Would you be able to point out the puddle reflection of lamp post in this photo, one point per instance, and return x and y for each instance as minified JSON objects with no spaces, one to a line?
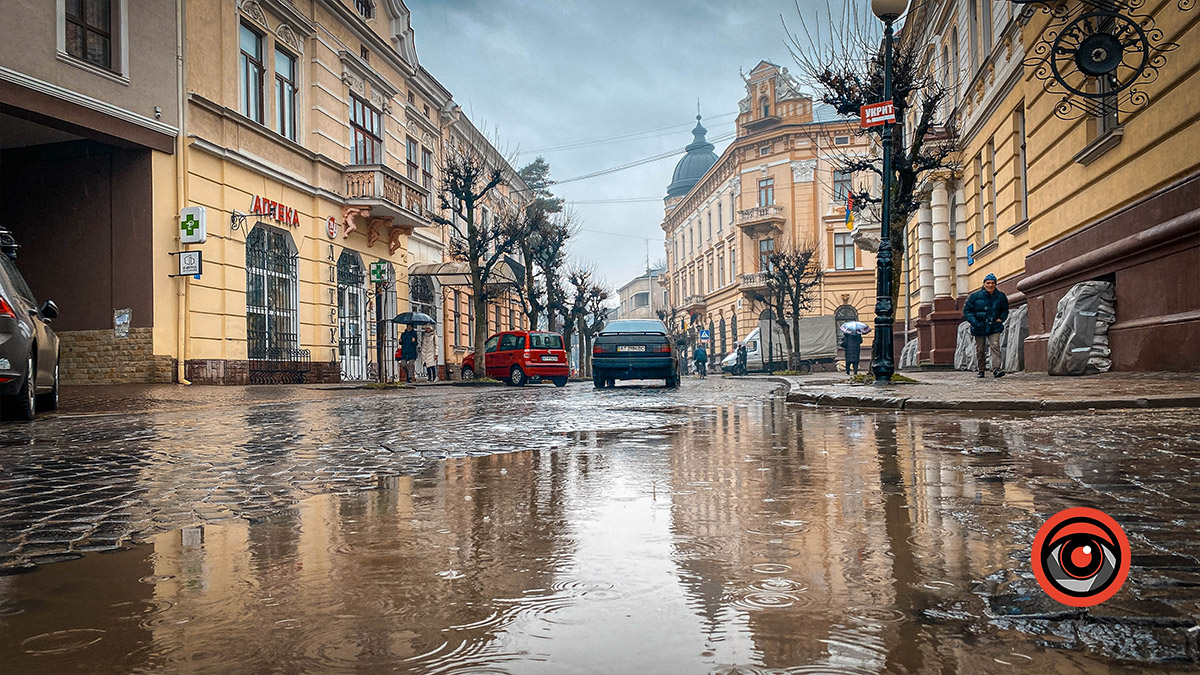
{"x":883,"y":364}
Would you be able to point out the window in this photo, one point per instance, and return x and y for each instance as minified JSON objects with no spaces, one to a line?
{"x":427,"y":175}
{"x":426,"y":112}
{"x":413,"y":154}
{"x":512,"y":319}
{"x":421,"y":295}
{"x":719,"y":217}
{"x":545,"y":341}
{"x":89,"y":31}
{"x":250,"y":84}
{"x":510,"y":342}
{"x":352,"y":318}
{"x":954,"y":62}
{"x":496,"y":317}
{"x":457,"y":319}
{"x":732,"y":265}
{"x":985,"y":26}
{"x":974,"y":32}
{"x":367,"y":126}
{"x":991,"y":149}
{"x":411,"y":99}
{"x":841,"y":140}
{"x":710,"y":225}
{"x":1022,"y":168}
{"x":285,"y":94}
{"x":366,"y":8}
{"x":766,"y":192}
{"x":843,"y":251}
{"x":641,"y":299}
{"x":721,"y":270}
{"x":841,"y":185}
{"x":490,"y":345}
{"x":733,"y":327}
{"x":764,"y":151}
{"x":272,"y":327}
{"x":765,"y":248}
{"x":841,"y":315}
{"x":764,"y":105}
{"x":710,"y":275}
{"x":722,"y":330}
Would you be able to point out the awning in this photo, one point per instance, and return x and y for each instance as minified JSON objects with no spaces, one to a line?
{"x":459,"y":273}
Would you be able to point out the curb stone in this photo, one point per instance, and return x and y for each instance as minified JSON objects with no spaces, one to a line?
{"x":902,"y":403}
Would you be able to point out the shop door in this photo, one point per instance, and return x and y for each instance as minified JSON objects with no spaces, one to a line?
{"x":352,"y":308}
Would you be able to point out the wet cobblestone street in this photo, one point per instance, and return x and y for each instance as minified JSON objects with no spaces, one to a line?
{"x":541,"y":530}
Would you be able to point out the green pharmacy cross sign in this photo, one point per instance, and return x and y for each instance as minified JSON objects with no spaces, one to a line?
{"x":378,"y":272}
{"x":193,"y":225}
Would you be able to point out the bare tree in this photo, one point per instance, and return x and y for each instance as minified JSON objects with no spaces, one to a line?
{"x":844,"y":64}
{"x":793,"y":279}
{"x":541,"y":239}
{"x":468,"y":178}
{"x":591,"y":321}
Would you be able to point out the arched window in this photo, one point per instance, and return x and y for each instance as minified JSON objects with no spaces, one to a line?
{"x":272,"y":308}
{"x":724,"y":348}
{"x":733,"y":327}
{"x":421,"y":296}
{"x":352,"y":316}
{"x":840,"y":316}
{"x":765,"y":106}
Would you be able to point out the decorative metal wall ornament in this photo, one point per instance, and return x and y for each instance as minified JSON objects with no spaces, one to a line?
{"x":1098,"y":55}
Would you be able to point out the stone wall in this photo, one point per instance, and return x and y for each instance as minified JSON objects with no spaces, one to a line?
{"x":237,"y":372}
{"x":99,"y":357}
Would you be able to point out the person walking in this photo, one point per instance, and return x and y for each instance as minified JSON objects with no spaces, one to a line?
{"x":429,"y":354}
{"x":409,"y":347}
{"x":742,"y":357}
{"x":853,"y":347}
{"x":987,"y":310}
{"x":700,"y":356}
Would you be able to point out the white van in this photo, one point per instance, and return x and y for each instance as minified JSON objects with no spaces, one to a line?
{"x":818,"y":344}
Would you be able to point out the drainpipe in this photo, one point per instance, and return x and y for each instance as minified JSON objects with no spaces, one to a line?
{"x":182,"y":308}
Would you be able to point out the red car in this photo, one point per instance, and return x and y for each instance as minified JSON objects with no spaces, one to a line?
{"x":519,"y":356}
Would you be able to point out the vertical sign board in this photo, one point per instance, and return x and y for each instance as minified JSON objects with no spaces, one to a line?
{"x":193,"y":225}
{"x":970,"y":254}
{"x":874,"y":114}
{"x":378,"y":272}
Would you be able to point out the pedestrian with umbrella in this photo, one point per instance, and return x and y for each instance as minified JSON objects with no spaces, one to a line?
{"x":854,"y":331}
{"x":410,"y":343}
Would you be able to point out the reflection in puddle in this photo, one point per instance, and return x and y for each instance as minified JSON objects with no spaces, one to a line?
{"x":752,"y":539}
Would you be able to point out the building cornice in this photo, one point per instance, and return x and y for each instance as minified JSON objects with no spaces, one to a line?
{"x":77,"y":98}
{"x":363,"y":32}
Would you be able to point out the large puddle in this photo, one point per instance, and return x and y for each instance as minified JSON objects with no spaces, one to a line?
{"x":751,"y":539}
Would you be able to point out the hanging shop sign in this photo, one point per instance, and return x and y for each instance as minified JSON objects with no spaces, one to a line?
{"x":331,"y":227}
{"x":191,"y":264}
{"x":875,"y":114}
{"x":193,"y":225}
{"x":280,"y":213}
{"x":378,"y":272}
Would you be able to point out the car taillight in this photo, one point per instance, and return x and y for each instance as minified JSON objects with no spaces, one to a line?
{"x":664,"y":349}
{"x":6,"y":309}
{"x":597,"y":349}
{"x":526,"y":353}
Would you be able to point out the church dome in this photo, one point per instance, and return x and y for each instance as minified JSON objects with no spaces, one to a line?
{"x":698,"y":160}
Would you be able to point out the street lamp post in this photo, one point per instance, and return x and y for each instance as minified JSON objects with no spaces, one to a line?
{"x":883,"y":363}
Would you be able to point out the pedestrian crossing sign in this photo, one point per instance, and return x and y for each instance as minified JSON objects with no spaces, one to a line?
{"x":378,"y":272}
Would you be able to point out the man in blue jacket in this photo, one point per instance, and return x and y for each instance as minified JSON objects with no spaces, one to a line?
{"x":986,"y":310}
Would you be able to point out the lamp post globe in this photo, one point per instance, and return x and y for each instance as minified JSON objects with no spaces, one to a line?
{"x":889,"y":10}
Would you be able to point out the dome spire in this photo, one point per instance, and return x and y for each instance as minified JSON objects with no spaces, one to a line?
{"x":698,"y":160}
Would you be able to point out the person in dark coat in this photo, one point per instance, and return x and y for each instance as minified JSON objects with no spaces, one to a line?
{"x":410,"y":346}
{"x":741,"y":358}
{"x":700,"y":356}
{"x":853,"y":346}
{"x":987,"y":310}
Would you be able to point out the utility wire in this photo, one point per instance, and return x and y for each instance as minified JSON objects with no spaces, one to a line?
{"x":649,"y":133}
{"x":647,"y":160}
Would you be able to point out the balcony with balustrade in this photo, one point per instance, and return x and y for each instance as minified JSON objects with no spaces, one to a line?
{"x":761,"y":220}
{"x":387,"y":195}
{"x":752,"y":284}
{"x":694,"y":304}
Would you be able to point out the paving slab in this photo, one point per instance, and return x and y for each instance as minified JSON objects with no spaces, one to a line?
{"x":952,"y":390}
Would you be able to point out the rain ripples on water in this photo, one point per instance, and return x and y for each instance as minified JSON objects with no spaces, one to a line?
{"x":573,"y":531}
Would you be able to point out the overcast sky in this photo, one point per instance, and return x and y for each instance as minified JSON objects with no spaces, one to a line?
{"x":537,"y":75}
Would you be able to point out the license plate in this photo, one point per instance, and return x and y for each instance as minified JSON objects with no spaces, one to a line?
{"x":549,"y":357}
{"x":631,"y":348}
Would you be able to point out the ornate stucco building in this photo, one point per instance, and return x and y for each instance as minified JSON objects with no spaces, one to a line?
{"x":305,"y":135}
{"x":1050,"y":193}
{"x":777,"y":184}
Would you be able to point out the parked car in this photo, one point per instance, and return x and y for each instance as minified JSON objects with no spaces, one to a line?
{"x":517,"y":357}
{"x":28,"y":348}
{"x":634,"y":349}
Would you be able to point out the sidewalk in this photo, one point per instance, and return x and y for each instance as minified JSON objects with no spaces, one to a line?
{"x":954,"y":390}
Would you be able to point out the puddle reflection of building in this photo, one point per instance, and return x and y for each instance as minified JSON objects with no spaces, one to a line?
{"x":370,"y":578}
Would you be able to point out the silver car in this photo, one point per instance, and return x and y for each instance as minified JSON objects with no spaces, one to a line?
{"x":28,"y":348}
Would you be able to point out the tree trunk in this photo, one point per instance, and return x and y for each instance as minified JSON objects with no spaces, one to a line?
{"x":479,"y":306}
{"x":585,"y":353}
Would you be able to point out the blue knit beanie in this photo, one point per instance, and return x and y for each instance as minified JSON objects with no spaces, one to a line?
{"x":990,"y":277}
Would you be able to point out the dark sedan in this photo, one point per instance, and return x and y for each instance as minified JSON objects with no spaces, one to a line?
{"x":634,"y":349}
{"x":28,"y":348}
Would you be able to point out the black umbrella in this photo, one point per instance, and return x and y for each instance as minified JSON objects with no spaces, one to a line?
{"x":414,"y":319}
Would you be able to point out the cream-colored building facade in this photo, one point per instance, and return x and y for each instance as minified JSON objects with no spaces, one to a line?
{"x":778,"y":183}
{"x":1048,"y":194}
{"x":314,"y":140}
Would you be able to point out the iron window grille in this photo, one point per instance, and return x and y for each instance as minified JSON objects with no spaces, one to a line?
{"x":272,"y":325}
{"x":352,"y":312}
{"x":89,"y":31}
